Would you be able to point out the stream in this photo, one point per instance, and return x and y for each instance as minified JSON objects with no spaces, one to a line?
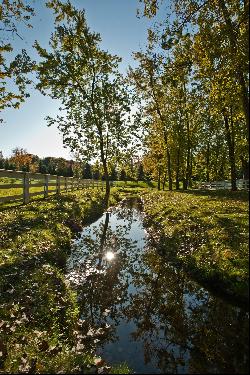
{"x":137,"y":308}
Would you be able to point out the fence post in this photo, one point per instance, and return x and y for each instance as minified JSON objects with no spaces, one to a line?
{"x":46,"y":185}
{"x":26,"y":194}
{"x":58,"y":186}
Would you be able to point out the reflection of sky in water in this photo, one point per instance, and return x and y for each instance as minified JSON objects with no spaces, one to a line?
{"x":126,"y":247}
{"x":127,"y":350}
{"x":109,"y":255}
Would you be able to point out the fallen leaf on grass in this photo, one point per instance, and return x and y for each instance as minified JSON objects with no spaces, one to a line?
{"x":43,"y":346}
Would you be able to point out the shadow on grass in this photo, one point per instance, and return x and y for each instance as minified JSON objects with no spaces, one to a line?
{"x":13,"y":274}
{"x":214,"y":281}
{"x":184,"y":244}
{"x":46,"y":215}
{"x":241,"y":195}
{"x":236,"y":231}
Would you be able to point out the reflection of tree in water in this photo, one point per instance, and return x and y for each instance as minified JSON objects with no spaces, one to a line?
{"x":102,"y":284}
{"x":181,"y":326}
{"x":179,"y":322}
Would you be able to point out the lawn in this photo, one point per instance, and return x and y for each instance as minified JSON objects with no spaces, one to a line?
{"x":206,"y":232}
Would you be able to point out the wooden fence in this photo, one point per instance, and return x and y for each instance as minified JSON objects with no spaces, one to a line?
{"x":29,"y":180}
{"x":216,"y":185}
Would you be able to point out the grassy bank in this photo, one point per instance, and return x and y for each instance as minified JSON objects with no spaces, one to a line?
{"x":206,"y":233}
{"x":39,"y":319}
{"x":30,"y":232}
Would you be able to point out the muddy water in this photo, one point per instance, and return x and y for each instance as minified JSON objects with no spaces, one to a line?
{"x":137,"y":308}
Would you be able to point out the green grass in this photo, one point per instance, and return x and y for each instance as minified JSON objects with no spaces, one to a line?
{"x":19,"y":191}
{"x":133,"y":184}
{"x":123,"y":189}
{"x":29,"y":230}
{"x":205,"y":232}
{"x":39,"y":316}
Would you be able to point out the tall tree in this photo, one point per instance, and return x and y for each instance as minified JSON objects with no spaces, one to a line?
{"x":147,"y":79}
{"x":94,"y":116}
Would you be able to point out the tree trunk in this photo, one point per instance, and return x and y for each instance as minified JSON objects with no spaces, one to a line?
{"x":159,"y":179}
{"x":107,"y":185}
{"x":185,"y":184}
{"x":207,"y":161}
{"x":106,"y":175}
{"x":231,"y":151}
{"x":245,"y":168}
{"x":164,"y":181}
{"x":170,"y":180}
{"x":245,"y":101}
{"x":239,"y":71}
{"x":217,"y":163}
{"x":187,"y":177}
{"x":190,"y":182}
{"x":178,"y":170}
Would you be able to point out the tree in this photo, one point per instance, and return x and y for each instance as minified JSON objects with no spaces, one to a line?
{"x":140,"y":172}
{"x":147,"y":80}
{"x":69,"y":168}
{"x":59,"y":166}
{"x":1,"y":160}
{"x":113,"y":174}
{"x":14,"y":74}
{"x":87,"y":173}
{"x":154,"y":158}
{"x":123,"y":175}
{"x":94,"y":117}
{"x":212,"y":38}
{"x":21,"y":159}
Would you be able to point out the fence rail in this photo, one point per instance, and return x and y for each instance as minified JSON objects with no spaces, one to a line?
{"x":216,"y":185}
{"x":31,"y":180}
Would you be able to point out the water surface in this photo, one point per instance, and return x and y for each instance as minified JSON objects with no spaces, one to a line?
{"x":136,"y":307}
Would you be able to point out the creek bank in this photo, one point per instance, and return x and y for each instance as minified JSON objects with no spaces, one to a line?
{"x":41,"y":227}
{"x":206,"y":234}
{"x":39,"y":319}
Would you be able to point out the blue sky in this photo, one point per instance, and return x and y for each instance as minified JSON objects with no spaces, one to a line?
{"x":122,"y":33}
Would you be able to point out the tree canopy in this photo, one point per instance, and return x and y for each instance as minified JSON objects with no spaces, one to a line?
{"x":95,"y":99}
{"x":193,"y":80}
{"x":14,"y":76}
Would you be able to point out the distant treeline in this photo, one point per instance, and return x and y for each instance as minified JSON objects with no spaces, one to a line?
{"x":21,"y":160}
